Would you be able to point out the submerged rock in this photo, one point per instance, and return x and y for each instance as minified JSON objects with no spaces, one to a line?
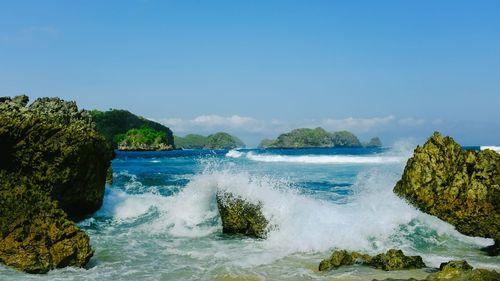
{"x":461,"y":270}
{"x":457,"y":271}
{"x":343,"y":257}
{"x":240,"y":216}
{"x":53,"y":167}
{"x":391,"y":260}
{"x":459,"y":187}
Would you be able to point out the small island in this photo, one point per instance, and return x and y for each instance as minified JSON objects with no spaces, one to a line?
{"x":127,"y":131}
{"x":318,"y":137}
{"x":220,"y":140}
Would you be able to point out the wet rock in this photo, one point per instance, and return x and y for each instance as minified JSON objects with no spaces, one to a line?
{"x":462,"y":271}
{"x":459,"y":187}
{"x":458,"y":271}
{"x":396,"y":260}
{"x":53,"y":168}
{"x":391,"y":260}
{"x":343,"y":257}
{"x":240,"y":216}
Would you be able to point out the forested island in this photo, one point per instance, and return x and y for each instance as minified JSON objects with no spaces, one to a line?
{"x":318,"y":137}
{"x":220,"y":140}
{"x":127,"y":131}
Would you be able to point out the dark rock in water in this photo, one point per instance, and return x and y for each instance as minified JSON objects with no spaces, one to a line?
{"x":396,"y":260}
{"x":392,"y":279}
{"x":343,"y":257}
{"x":109,"y":175}
{"x":458,"y":271}
{"x":53,"y":165}
{"x":240,"y":216}
{"x":459,"y":187}
{"x":391,"y":260}
{"x":461,"y":270}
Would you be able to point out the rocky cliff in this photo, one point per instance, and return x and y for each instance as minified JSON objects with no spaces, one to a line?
{"x":52,"y":170}
{"x":459,"y":187}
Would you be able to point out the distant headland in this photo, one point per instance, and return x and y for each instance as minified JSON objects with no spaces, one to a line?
{"x":318,"y":137}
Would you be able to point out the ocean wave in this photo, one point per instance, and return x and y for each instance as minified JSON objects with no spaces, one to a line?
{"x":325,"y":159}
{"x":494,"y":148}
{"x":234,"y":153}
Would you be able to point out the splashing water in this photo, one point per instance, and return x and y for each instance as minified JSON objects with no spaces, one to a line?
{"x":160,"y":219}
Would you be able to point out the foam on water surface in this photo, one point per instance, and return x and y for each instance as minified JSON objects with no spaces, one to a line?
{"x":151,"y":230}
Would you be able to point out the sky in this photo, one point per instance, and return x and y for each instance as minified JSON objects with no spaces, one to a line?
{"x":393,"y":69}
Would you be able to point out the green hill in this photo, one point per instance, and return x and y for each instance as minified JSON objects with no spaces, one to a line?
{"x":219,"y":140}
{"x":318,"y":137}
{"x":113,"y":124}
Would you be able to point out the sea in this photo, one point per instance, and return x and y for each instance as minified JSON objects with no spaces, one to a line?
{"x":159,"y":219}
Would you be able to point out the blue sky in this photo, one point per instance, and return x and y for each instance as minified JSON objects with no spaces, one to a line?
{"x":394,"y":69}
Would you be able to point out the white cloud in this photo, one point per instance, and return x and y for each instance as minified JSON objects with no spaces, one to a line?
{"x":357,"y":124}
{"x":213,"y":122}
{"x":411,"y":122}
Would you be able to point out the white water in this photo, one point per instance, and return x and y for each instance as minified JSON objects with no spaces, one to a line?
{"x":494,"y":148}
{"x":370,"y":222}
{"x":323,"y":159}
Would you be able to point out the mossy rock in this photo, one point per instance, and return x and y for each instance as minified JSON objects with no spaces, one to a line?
{"x":459,"y":187}
{"x":343,"y":257}
{"x":462,"y":271}
{"x":240,"y":216}
{"x":457,"y":271}
{"x":391,"y":260}
{"x":53,"y":168}
{"x":396,"y":260}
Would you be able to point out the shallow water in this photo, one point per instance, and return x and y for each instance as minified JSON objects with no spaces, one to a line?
{"x":159,"y":220}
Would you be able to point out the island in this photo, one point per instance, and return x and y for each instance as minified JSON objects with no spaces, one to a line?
{"x":220,"y":140}
{"x":318,"y":137}
{"x":127,"y":131}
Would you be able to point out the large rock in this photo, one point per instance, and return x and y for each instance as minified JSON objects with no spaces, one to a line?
{"x":457,"y":271}
{"x":53,"y":168}
{"x":459,"y":187}
{"x":391,"y":260}
{"x":462,"y":271}
{"x":240,"y":216}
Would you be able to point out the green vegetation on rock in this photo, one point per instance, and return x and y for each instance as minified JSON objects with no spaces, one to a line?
{"x":458,"y":271}
{"x":53,"y":165}
{"x":115,"y":123}
{"x":223,"y":140}
{"x":219,"y":140}
{"x":374,"y":142}
{"x":318,"y":137}
{"x":343,"y":257}
{"x":459,"y":187}
{"x":396,"y":260}
{"x":240,"y":216}
{"x":143,"y":138}
{"x":191,"y":141}
{"x":391,"y":260}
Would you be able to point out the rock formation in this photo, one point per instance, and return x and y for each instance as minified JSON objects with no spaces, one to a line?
{"x":459,"y":187}
{"x":241,"y":217}
{"x":53,"y":169}
{"x":391,"y":260}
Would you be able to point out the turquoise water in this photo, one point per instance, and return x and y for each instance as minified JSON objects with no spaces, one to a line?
{"x":159,"y":220}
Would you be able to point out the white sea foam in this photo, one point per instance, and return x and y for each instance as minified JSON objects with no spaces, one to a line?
{"x":370,"y":222}
{"x":234,"y":153}
{"x":325,"y":159}
{"x":494,"y":148}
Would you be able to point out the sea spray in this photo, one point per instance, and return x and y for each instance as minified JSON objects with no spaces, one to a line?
{"x":151,"y":230}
